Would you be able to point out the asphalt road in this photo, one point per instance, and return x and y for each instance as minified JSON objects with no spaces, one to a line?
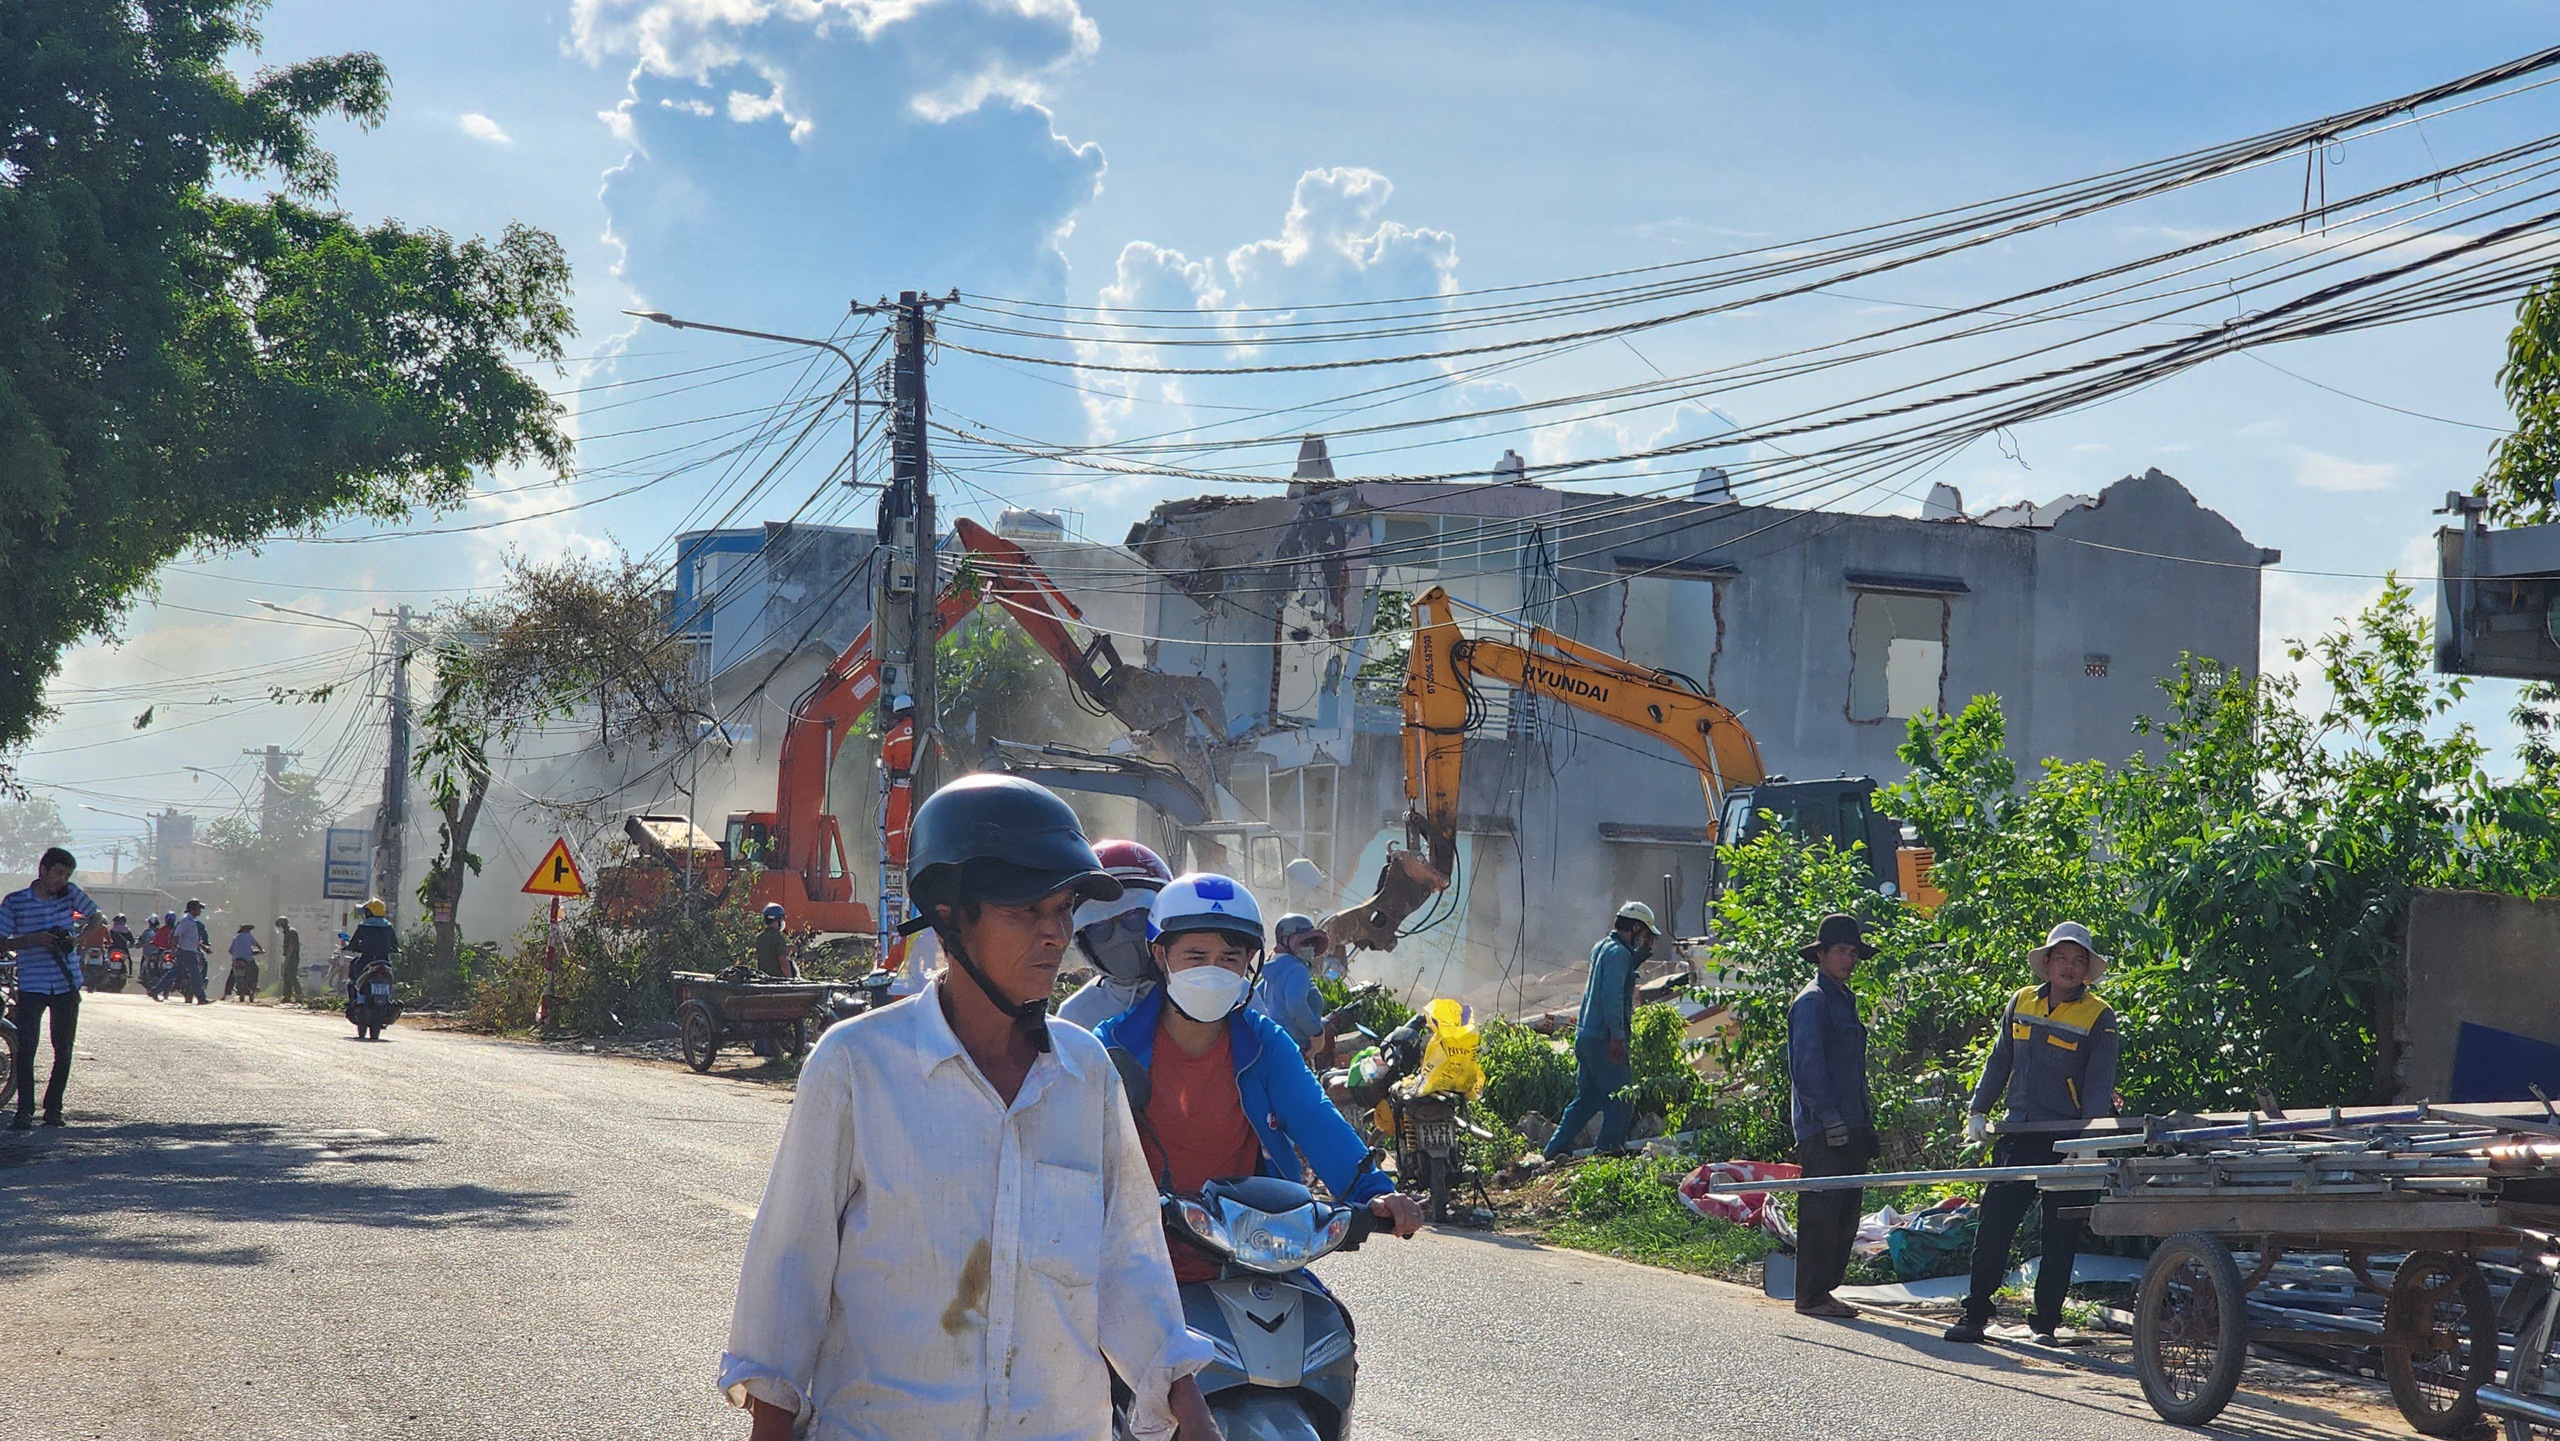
{"x":258,"y":1226}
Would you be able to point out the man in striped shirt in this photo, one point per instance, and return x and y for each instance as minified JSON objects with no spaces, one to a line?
{"x":37,"y":924}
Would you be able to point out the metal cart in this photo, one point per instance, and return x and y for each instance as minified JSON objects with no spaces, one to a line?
{"x":743,"y":1005}
{"x":2411,"y":1198}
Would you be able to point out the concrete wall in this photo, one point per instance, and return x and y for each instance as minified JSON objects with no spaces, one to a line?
{"x":2493,"y":960}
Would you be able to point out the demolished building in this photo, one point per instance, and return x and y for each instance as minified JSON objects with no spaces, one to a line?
{"x":1825,"y":631}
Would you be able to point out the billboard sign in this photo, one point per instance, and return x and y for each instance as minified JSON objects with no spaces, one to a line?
{"x":346,"y":867}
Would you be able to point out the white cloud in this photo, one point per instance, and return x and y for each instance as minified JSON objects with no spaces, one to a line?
{"x":1334,"y":245}
{"x":481,"y":127}
{"x":2316,"y":470}
{"x":700,"y":41}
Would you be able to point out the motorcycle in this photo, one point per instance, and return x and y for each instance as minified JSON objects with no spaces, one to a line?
{"x":860,"y":998}
{"x":107,"y":968}
{"x":8,"y":1031}
{"x":371,"y":1001}
{"x":1290,"y":1374}
{"x":1414,"y":1083}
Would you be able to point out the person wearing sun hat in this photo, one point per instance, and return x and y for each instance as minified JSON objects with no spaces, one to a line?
{"x":2055,"y":1057}
{"x":1834,"y":1125}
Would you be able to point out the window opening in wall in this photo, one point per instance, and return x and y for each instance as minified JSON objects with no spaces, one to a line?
{"x":1672,"y":624}
{"x":1897,"y":655}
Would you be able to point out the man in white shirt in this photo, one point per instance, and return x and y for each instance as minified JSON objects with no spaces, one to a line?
{"x":186,"y":967}
{"x":959,"y":1237}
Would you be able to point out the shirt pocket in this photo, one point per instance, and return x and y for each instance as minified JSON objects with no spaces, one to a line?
{"x":2020,"y":1030}
{"x":1062,"y":1239}
{"x":2061,"y":1041}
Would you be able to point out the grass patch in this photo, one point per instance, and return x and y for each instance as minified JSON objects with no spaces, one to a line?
{"x":1630,"y":1207}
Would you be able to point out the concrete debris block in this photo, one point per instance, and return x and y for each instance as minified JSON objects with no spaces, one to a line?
{"x":1536,"y":1129}
{"x":1945,"y":502}
{"x":1646,"y":1128}
{"x":1315,"y":462}
{"x":1511,"y":469}
{"x":1712,"y":487}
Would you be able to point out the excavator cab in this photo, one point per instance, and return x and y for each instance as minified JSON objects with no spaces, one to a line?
{"x":1842,"y":811}
{"x":749,"y":838}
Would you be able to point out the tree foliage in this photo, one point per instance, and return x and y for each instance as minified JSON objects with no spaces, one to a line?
{"x":2252,"y":884}
{"x":563,"y":639}
{"x":2524,"y":465}
{"x":27,"y":827}
{"x":181,"y":367}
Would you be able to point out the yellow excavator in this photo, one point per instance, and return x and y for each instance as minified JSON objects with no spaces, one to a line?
{"x":1442,"y":705}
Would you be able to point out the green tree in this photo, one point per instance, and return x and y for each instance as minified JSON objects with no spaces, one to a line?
{"x":27,"y":827}
{"x":184,"y":367}
{"x":562,"y":639}
{"x":2252,"y":883}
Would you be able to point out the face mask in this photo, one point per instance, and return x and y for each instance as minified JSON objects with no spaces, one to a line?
{"x":1118,"y":948}
{"x":1207,"y":993}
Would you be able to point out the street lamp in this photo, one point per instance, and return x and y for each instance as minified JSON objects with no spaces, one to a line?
{"x":314,"y":615}
{"x":853,"y":368}
{"x":200,"y":773}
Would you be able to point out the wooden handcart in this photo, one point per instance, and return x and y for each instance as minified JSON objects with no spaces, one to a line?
{"x":742,"y":1006}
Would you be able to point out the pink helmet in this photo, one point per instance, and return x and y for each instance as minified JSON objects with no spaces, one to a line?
{"x":1141,"y":873}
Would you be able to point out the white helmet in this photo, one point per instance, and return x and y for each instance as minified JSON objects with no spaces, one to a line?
{"x":1201,"y":901}
{"x":1639,"y":911}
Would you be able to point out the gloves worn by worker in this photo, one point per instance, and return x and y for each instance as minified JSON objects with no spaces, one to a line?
{"x":1837,"y":1136}
{"x":1977,"y":1128}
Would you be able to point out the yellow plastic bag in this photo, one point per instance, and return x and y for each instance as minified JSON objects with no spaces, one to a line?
{"x":1449,"y":1061}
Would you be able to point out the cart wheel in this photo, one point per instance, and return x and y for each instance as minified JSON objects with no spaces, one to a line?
{"x":2439,"y":1342}
{"x":701,"y":1036}
{"x":794,"y":1037}
{"x":2190,"y":1329}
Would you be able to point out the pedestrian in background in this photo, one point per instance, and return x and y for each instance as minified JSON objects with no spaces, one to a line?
{"x":289,"y":960}
{"x":187,"y":946}
{"x":1834,"y":1126}
{"x":37,"y":924}
{"x":773,"y":948}
{"x":1600,"y":1066}
{"x":1287,"y":991}
{"x":2055,"y":1057}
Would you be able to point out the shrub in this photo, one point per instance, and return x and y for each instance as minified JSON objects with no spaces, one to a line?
{"x":1523,"y":1072}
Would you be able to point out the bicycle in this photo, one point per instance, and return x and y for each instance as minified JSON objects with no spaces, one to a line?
{"x":2529,"y":1403}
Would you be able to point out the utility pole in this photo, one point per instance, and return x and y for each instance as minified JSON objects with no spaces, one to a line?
{"x":904,"y":602}
{"x":274,"y":758}
{"x":391,"y":819}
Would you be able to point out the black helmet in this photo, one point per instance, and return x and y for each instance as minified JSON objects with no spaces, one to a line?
{"x":1002,"y":839}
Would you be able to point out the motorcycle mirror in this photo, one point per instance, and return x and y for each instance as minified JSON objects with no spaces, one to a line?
{"x":1133,"y":1078}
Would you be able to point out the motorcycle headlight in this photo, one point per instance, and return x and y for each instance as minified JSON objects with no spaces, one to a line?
{"x":1276,"y":1243}
{"x":1205,"y":1227}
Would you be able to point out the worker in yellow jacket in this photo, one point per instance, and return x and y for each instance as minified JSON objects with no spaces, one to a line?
{"x":2055,"y":1057}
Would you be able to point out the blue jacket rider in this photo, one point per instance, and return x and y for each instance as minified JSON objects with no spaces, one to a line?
{"x":1291,"y":1115}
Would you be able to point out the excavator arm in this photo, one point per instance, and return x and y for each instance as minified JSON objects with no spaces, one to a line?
{"x":804,"y":846}
{"x":1442,"y":706}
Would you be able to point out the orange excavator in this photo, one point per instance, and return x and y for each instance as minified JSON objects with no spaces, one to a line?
{"x":1442,"y":706}
{"x":799,"y":843}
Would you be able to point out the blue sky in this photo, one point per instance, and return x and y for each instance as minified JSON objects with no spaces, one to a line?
{"x":766,"y":162}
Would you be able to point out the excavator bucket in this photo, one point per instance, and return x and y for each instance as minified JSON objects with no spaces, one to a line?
{"x":1405,"y":883}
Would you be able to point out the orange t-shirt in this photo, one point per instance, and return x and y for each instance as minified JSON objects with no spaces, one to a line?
{"x":1195,"y":1108}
